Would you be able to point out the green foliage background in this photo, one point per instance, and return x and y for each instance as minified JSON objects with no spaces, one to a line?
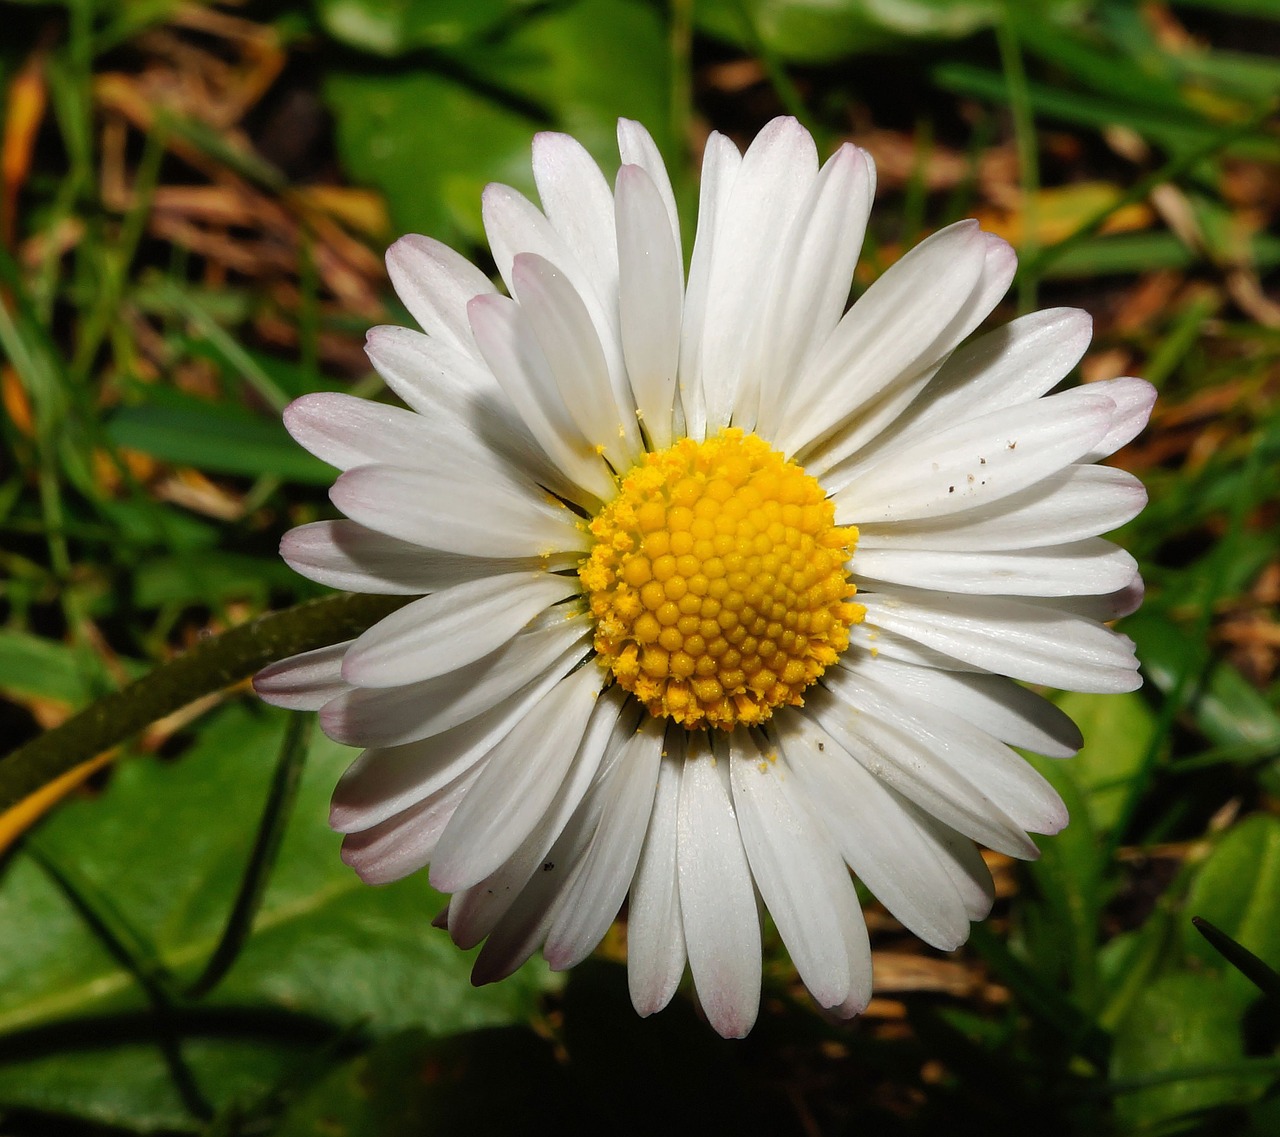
{"x":342,"y":1011}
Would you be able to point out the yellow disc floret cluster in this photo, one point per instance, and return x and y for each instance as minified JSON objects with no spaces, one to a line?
{"x":718,"y":581}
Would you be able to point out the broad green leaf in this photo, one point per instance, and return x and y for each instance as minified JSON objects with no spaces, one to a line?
{"x":1117,"y":731}
{"x":1226,"y":708}
{"x":392,"y":27}
{"x":1181,"y":1043}
{"x":111,"y":1072}
{"x":166,"y":844}
{"x":431,"y":142}
{"x":589,"y":63}
{"x":1236,"y":890}
{"x":430,"y":145}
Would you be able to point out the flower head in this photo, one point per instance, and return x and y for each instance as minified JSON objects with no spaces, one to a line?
{"x":723,"y":591}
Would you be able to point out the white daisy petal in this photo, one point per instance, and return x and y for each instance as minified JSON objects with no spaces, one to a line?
{"x":475,"y":911}
{"x":717,"y":901}
{"x":304,"y":682}
{"x":977,"y":462}
{"x":721,"y":163}
{"x":962,"y":861}
{"x":816,"y":260}
{"x":772,"y":182}
{"x":637,"y":148}
{"x":1006,"y":367}
{"x":876,"y":643}
{"x":1034,"y":643}
{"x":346,"y":432}
{"x":588,"y":905}
{"x":385,"y":781}
{"x":515,"y":225}
{"x":509,"y":347}
{"x":655,"y":929}
{"x":518,"y":783}
{"x":576,"y":200}
{"x":452,"y":628}
{"x":435,"y":377}
{"x":1112,"y":606}
{"x":404,"y":843}
{"x":435,"y":284}
{"x":800,"y":875}
{"x":345,"y":555}
{"x":1001,"y":707}
{"x":523,"y":927}
{"x":900,"y":754}
{"x":1073,"y":504}
{"x":651,"y":289}
{"x":465,"y":410}
{"x":849,"y":442}
{"x":1081,"y":568}
{"x":878,"y":344}
{"x":878,"y":836}
{"x":1011,"y":784}
{"x":394,"y":715}
{"x":479,"y":519}
{"x":563,"y":329}
{"x":1134,"y":399}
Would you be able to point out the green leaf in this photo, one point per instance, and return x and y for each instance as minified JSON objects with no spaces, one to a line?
{"x":392,"y":27}
{"x":1062,"y":923}
{"x":167,"y":843}
{"x":1236,"y":891}
{"x":1167,"y":128}
{"x":1226,"y":708}
{"x":31,"y":665}
{"x":1117,"y":730}
{"x":218,"y":437}
{"x":820,"y":31}
{"x":118,"y":1076}
{"x":431,"y":142}
{"x":208,"y":576}
{"x":1260,"y":974}
{"x":1180,"y":1049}
{"x":430,"y":145}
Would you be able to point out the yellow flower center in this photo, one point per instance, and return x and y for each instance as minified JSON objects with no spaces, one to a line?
{"x":718,"y":582}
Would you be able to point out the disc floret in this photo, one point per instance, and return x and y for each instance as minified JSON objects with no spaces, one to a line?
{"x":719,"y":582}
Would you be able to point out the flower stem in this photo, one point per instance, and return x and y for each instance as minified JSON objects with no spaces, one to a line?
{"x":210,"y":666}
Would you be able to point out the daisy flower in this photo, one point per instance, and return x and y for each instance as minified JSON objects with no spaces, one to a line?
{"x":724,"y":594}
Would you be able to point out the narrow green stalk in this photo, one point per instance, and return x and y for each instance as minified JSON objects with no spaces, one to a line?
{"x":788,"y":95}
{"x":137,"y":956}
{"x":1195,"y":661}
{"x":266,"y":388}
{"x":1024,"y":133}
{"x":105,"y":311}
{"x":212,"y":665}
{"x":1172,"y":170}
{"x":266,"y":846}
{"x":681,"y":46}
{"x":1260,"y":974}
{"x":1041,"y":1000}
